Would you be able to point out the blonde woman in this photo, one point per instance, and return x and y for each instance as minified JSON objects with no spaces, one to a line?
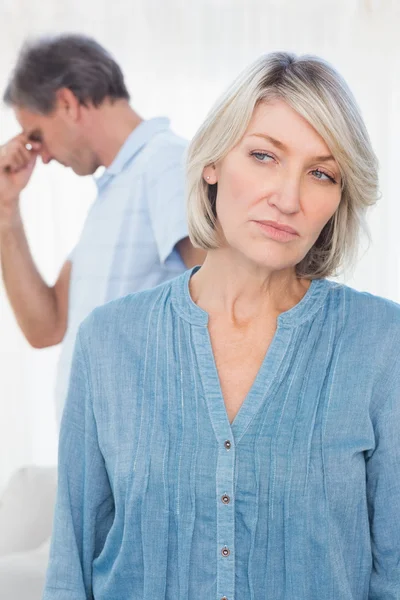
{"x":234,"y":433}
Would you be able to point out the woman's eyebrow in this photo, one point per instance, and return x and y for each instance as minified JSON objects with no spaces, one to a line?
{"x":284,"y":148}
{"x":270,"y":139}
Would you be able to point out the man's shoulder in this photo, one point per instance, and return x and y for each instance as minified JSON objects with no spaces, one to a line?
{"x":170,"y":139}
{"x":166,"y":148}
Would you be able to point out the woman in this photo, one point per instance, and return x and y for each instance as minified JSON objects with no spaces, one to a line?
{"x":234,"y":433}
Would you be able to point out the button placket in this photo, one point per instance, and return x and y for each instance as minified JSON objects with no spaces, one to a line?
{"x":226,"y":519}
{"x":225,"y":466}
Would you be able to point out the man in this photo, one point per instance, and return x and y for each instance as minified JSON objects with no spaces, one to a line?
{"x":69,"y":96}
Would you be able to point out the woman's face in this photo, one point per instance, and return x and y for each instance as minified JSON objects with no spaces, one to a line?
{"x":277,"y":188}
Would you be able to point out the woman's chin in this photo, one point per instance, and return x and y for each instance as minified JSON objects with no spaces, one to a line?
{"x":272,"y":259}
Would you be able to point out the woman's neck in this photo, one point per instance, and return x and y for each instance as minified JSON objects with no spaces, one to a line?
{"x":240,"y":290}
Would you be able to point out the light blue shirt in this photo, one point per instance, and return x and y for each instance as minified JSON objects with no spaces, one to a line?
{"x":161,"y":498}
{"x":129,"y":237}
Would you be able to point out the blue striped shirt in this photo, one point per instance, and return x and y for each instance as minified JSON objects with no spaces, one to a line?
{"x":161,"y":498}
{"x":129,"y":237}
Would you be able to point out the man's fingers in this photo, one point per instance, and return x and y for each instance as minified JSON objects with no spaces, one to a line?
{"x":35,"y":146}
{"x":21,"y":158}
{"x":16,"y":159}
{"x":12,"y":162}
{"x":25,"y":154}
{"x":3,"y":153}
{"x":18,"y":163}
{"x":16,"y":154}
{"x":11,"y":168}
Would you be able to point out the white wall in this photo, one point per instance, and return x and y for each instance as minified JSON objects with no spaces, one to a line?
{"x":178,"y":55}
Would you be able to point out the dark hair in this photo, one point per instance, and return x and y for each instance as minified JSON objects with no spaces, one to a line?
{"x":75,"y":62}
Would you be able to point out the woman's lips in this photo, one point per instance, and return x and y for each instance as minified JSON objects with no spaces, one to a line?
{"x":277,"y":231}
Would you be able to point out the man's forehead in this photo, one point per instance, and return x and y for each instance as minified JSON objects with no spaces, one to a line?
{"x":29,"y":122}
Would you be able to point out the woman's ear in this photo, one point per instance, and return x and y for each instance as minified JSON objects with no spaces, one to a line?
{"x":210,"y":174}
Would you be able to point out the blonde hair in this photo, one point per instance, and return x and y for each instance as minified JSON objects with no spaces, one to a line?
{"x":318,"y":93}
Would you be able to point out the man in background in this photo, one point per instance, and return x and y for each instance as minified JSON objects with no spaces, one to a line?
{"x":69,"y":97}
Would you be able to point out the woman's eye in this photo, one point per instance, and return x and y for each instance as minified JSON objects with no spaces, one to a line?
{"x":262,"y":156}
{"x":322,"y":176}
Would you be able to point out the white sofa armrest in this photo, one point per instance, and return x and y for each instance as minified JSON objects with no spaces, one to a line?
{"x":26,"y":509}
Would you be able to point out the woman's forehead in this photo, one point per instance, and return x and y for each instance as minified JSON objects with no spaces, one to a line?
{"x":279,"y":123}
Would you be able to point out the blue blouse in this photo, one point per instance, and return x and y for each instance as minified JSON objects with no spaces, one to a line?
{"x":161,"y":498}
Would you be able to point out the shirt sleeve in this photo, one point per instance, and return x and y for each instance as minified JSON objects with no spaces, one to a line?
{"x":70,"y":256}
{"x":84,"y":508}
{"x":166,"y":199}
{"x":383,"y":492}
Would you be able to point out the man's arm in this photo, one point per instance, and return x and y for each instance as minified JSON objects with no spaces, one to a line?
{"x":166,"y":196}
{"x":41,"y":310}
{"x":190,"y":255}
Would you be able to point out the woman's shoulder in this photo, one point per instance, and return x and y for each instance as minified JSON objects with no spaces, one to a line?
{"x":127,"y":315}
{"x":366,"y":301}
{"x":368,"y":327}
{"x":364,"y":306}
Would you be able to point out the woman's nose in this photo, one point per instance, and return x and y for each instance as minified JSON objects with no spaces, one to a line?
{"x":287,"y":195}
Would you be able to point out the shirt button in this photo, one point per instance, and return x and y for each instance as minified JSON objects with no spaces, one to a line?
{"x":228,"y":445}
{"x":224,"y":598}
{"x":225,"y":551}
{"x":225,"y":499}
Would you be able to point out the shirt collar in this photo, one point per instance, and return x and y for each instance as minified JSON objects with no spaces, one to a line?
{"x":311,"y":302}
{"x":139,"y":137}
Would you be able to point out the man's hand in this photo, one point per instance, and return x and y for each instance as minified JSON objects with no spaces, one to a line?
{"x":17,"y":161}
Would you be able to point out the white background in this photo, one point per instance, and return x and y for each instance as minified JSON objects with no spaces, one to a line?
{"x":178,"y":55}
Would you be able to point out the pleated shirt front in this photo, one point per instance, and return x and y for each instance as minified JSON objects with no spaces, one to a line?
{"x":161,"y":498}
